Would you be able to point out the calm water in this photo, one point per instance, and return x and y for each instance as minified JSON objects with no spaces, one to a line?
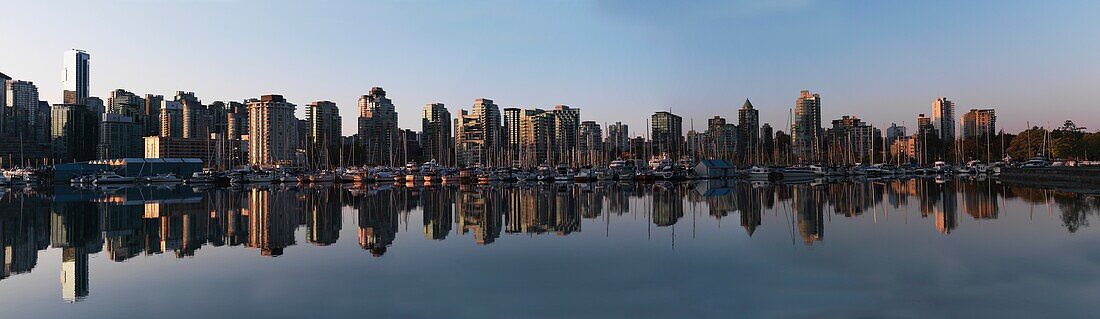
{"x":912,"y":248}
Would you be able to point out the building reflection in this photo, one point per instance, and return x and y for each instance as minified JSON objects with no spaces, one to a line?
{"x":808,"y":205}
{"x":179,"y":221}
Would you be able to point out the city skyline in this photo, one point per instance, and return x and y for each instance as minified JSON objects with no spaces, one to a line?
{"x":649,"y":78}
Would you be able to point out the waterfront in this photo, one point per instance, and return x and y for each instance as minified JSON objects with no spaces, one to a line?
{"x":917,"y":247}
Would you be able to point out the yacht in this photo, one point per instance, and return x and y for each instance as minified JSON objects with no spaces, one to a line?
{"x":563,"y":174}
{"x":163,"y":178}
{"x":322,"y":177}
{"x":203,"y":177}
{"x":761,"y":173}
{"x":259,"y":177}
{"x":1036,"y":162}
{"x":584,"y":175}
{"x":112,"y":178}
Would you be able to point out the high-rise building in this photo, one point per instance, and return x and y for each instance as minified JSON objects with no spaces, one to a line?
{"x":767,"y":140}
{"x":22,"y":110}
{"x":436,"y":140}
{"x":943,"y":118}
{"x":893,"y":133}
{"x":618,"y":138}
{"x":127,"y":104}
{"x":567,"y":123}
{"x":4,"y":78}
{"x":271,"y":131}
{"x":721,"y":139}
{"x":95,"y":105}
{"x":979,"y":123}
{"x":151,"y":125}
{"x":171,"y":119}
{"x":75,"y":81}
{"x":748,"y":124}
{"x":378,"y":127}
{"x":477,"y":135}
{"x":536,"y":137}
{"x":852,"y":141}
{"x":512,"y":119}
{"x":668,"y":134}
{"x":72,"y":127}
{"x":806,"y":129}
{"x":119,"y":137}
{"x":323,"y":131}
{"x":196,"y":117}
{"x":590,"y":143}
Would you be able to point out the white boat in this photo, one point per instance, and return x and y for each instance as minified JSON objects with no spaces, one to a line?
{"x":322,"y":177}
{"x":259,"y":177}
{"x":163,"y":178}
{"x":1036,"y":162}
{"x":112,"y":178}
{"x":204,"y":177}
{"x":760,"y":173}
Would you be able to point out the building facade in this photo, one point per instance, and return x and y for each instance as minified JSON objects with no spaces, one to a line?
{"x":75,"y":80}
{"x":436,"y":140}
{"x":979,"y":123}
{"x":378,"y":127}
{"x":323,"y":132}
{"x":119,"y":137}
{"x":943,"y":118}
{"x":667,"y":134}
{"x":478,"y":135}
{"x":806,"y":129}
{"x":271,"y":131}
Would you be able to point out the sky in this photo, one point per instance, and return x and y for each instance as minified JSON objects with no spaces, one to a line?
{"x":616,"y":60}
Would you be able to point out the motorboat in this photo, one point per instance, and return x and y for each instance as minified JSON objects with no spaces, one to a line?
{"x":204,"y":177}
{"x":762,"y":173}
{"x":259,"y":177}
{"x":1038,"y":161}
{"x":112,"y":178}
{"x":163,"y":178}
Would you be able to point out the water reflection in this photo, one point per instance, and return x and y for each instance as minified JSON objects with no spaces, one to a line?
{"x":180,"y":220}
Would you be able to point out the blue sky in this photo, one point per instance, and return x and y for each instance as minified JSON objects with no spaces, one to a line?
{"x":617,"y":60}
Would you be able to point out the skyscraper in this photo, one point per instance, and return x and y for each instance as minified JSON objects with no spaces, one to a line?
{"x":618,"y":138}
{"x":151,"y":125}
{"x":668,"y":133}
{"x":979,"y":123}
{"x":22,"y":110}
{"x":378,"y":127}
{"x":75,"y":81}
{"x":748,"y":124}
{"x":943,"y":118}
{"x":4,"y":78}
{"x":127,"y":104}
{"x":590,"y":143}
{"x":513,"y":117}
{"x":171,"y":119}
{"x":806,"y":126}
{"x":119,"y":137}
{"x":271,"y":132}
{"x":478,"y":134}
{"x":436,"y":140}
{"x":196,"y":117}
{"x":323,"y":131}
{"x":721,"y":139}
{"x":536,"y":137}
{"x":567,"y":123}
{"x":73,"y":130}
